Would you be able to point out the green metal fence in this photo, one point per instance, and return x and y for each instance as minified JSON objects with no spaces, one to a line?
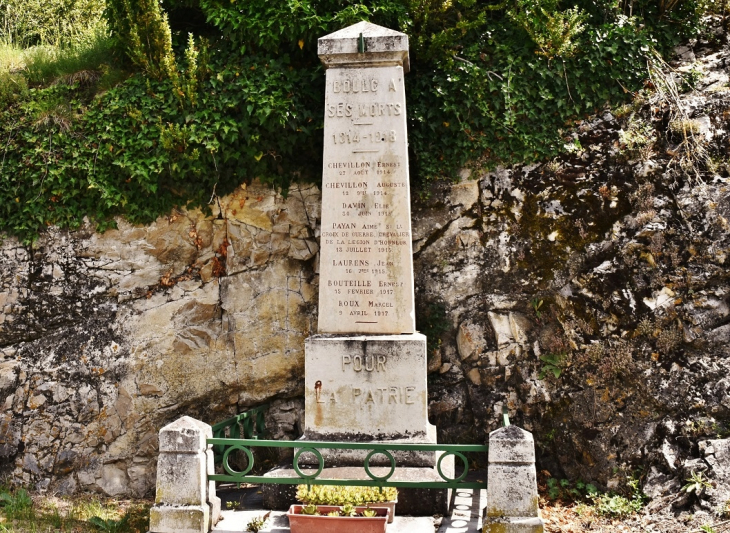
{"x":245,"y":426}
{"x":250,"y":426}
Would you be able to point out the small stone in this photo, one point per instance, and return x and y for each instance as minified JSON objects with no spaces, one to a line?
{"x":670,"y":452}
{"x":113,"y":480}
{"x":303,"y":249}
{"x":36,"y":401}
{"x":470,"y":339}
{"x":8,"y":376}
{"x":147,"y":389}
{"x":474,"y":376}
{"x":501,"y":326}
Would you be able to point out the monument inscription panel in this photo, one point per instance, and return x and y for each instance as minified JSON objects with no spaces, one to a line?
{"x":366,"y":387}
{"x":366,"y":271}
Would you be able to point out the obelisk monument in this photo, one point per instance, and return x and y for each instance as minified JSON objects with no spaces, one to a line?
{"x":365,"y":373}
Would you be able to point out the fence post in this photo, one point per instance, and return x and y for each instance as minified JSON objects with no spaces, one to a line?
{"x":185,"y":501}
{"x":512,"y":502}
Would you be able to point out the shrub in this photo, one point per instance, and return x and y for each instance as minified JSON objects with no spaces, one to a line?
{"x":32,"y":22}
{"x":342,"y":495}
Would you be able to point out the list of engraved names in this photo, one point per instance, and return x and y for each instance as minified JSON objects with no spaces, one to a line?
{"x":366,"y":282}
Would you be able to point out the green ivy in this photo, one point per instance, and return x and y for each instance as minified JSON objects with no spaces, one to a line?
{"x":250,"y":104}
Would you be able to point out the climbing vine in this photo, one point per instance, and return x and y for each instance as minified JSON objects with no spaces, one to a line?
{"x":229,"y":91}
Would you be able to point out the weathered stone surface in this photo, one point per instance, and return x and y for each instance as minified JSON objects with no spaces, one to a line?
{"x":366,"y":259}
{"x":512,"y":500}
{"x":366,"y":388}
{"x":470,"y":339}
{"x":716,"y":453}
{"x":131,"y":318}
{"x":584,"y":262}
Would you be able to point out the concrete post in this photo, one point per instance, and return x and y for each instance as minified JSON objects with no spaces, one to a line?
{"x":512,"y":503}
{"x":185,"y":500}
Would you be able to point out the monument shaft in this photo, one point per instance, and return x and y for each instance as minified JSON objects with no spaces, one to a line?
{"x":365,"y":374}
{"x":366,"y":265}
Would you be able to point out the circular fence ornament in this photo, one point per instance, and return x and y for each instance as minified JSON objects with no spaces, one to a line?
{"x":320,"y":463}
{"x":372,"y":476}
{"x":463,"y":474}
{"x":249,"y":457}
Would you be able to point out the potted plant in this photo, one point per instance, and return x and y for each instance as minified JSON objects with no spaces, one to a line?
{"x":357,"y":496}
{"x":348,"y":518}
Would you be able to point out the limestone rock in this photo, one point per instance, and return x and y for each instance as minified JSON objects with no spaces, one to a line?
{"x":470,"y":339}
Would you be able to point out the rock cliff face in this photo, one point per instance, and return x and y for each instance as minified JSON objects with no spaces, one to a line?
{"x":106,"y":338}
{"x":590,"y":295}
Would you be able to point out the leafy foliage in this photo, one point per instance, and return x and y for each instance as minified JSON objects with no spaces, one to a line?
{"x":16,"y":505}
{"x":257,"y":523}
{"x":604,"y":503}
{"x":553,"y":31}
{"x":696,"y":483}
{"x":617,"y":505}
{"x":32,"y":22}
{"x":142,"y":30}
{"x":553,"y":363}
{"x":431,"y":320}
{"x":109,"y":525}
{"x":486,"y":88}
{"x":564,"y":489}
{"x":341,"y":495}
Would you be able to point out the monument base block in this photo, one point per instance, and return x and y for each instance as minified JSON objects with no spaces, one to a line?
{"x":180,"y":518}
{"x":411,"y":502}
{"x":366,"y":388}
{"x":336,"y":457}
{"x":513,"y":525}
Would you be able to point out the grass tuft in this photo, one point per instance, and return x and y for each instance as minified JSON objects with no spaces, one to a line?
{"x":81,"y":514}
{"x":87,"y":61}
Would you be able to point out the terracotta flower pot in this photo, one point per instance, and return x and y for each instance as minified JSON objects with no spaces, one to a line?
{"x":389,"y":505}
{"x":302,"y":523}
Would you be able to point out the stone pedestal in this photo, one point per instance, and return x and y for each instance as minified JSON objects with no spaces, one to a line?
{"x":185,"y":500}
{"x":512,"y":500}
{"x":372,"y":388}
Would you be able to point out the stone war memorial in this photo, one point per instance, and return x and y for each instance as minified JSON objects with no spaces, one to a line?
{"x":366,"y":368}
{"x":365,"y":372}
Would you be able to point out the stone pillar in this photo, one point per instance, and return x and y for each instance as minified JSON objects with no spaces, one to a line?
{"x":512,"y":502}
{"x":365,"y":374}
{"x":185,"y":501}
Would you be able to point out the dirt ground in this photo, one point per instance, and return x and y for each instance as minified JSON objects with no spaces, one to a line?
{"x":574,"y":518}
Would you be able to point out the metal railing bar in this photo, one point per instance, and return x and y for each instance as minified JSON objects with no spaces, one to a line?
{"x":348,"y":482}
{"x":349,"y":445}
{"x":505,"y":416}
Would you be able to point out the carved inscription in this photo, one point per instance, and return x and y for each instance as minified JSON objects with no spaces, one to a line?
{"x":366,"y":280}
{"x":364,"y":395}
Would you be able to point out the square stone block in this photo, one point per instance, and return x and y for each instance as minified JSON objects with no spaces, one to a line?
{"x":511,"y":444}
{"x":180,"y":519}
{"x":366,"y":388}
{"x":512,"y":491}
{"x":185,"y":435}
{"x":182,"y":479}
